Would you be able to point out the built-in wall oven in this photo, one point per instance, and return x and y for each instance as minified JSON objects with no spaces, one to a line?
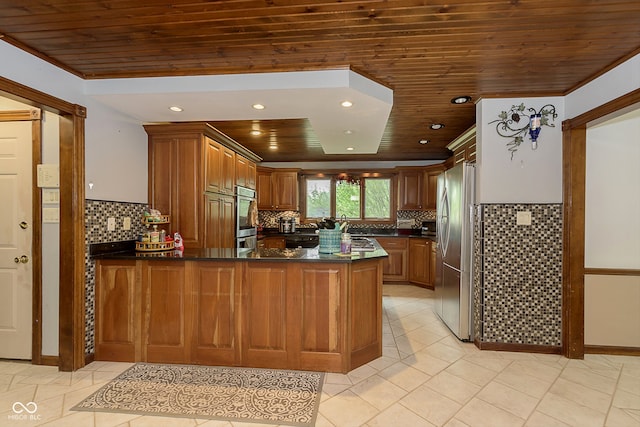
{"x":246,"y":218}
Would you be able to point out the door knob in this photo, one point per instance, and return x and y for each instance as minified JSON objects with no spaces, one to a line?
{"x":23,"y":259}
{"x":24,"y":225}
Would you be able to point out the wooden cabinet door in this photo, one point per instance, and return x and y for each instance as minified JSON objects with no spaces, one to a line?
{"x":265,"y":313}
{"x":251,"y":175}
{"x":264,"y":189}
{"x":410,"y":191}
{"x":430,"y":194}
{"x":395,"y":267}
{"x":319,"y":292}
{"x":219,"y":221}
{"x":228,"y":174}
{"x":242,"y":171}
{"x":166,"y":302}
{"x":213,"y":169}
{"x":117,"y":321}
{"x":220,"y":168}
{"x":419,"y":261}
{"x":274,"y":242}
{"x":162,"y":164}
{"x":186,"y":214}
{"x":366,"y":310}
{"x":216,"y":313}
{"x":285,"y":190}
{"x":245,"y":172}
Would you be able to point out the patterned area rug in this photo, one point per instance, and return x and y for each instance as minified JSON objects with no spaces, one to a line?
{"x":209,"y":392}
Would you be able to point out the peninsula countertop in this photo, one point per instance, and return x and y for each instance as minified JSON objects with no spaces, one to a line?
{"x":242,"y":254}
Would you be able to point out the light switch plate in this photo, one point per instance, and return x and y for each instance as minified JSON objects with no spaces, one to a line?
{"x":111,"y":224}
{"x":523,"y":218}
{"x":126,"y":223}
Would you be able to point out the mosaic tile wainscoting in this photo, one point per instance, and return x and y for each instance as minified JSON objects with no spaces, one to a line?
{"x":96,"y":214}
{"x":518,"y":275}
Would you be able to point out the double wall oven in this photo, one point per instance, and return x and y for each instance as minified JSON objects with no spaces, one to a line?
{"x":246,"y":218}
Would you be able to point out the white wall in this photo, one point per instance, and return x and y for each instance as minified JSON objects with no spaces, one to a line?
{"x":621,"y":80}
{"x":115,"y":146}
{"x":532,"y":176}
{"x":612,"y":204}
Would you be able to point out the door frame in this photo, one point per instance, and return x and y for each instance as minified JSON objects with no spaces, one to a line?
{"x":72,"y":229}
{"x":574,"y":147}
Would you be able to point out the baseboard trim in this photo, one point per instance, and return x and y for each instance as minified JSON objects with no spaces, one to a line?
{"x":521,"y":348}
{"x":49,"y":360}
{"x":88,"y":358}
{"x":613,"y":350}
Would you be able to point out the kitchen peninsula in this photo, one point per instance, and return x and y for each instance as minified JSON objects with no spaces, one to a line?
{"x":269,"y":308}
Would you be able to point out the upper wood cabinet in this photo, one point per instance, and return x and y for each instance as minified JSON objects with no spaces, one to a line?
{"x":277,"y":189}
{"x":418,"y":187}
{"x":176,"y":183}
{"x":187,"y":160}
{"x":220,"y":168}
{"x":463,"y":147}
{"x":245,"y":172}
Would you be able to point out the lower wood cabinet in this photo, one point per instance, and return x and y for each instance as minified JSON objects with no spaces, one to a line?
{"x":118,"y":319}
{"x":420,"y":262}
{"x":396,"y":265}
{"x":273,"y":242}
{"x":216,"y":304}
{"x":166,"y":294}
{"x":282,"y":315}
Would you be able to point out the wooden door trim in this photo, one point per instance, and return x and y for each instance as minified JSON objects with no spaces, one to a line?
{"x":72,"y":246}
{"x":574,"y":138}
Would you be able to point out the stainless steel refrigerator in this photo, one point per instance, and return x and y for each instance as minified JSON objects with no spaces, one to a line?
{"x":453,"y":287}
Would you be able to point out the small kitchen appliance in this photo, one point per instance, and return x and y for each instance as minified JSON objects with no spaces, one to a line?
{"x":287,"y":225}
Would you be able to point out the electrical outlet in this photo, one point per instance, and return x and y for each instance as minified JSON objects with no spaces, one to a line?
{"x":126,"y":223}
{"x":523,"y":218}
{"x":111,"y":224}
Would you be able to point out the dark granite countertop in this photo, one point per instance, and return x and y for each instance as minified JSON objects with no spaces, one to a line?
{"x":366,"y":232}
{"x":261,"y":254}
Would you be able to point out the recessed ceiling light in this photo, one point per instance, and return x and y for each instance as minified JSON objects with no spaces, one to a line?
{"x":349,"y":148}
{"x":461,"y":99}
{"x":175,"y":108}
{"x":256,"y":132}
{"x":424,"y":141}
{"x":436,"y":126}
{"x":258,"y":106}
{"x":346,"y":104}
{"x":348,"y":132}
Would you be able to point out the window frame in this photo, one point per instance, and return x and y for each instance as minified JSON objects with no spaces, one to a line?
{"x":334,"y":178}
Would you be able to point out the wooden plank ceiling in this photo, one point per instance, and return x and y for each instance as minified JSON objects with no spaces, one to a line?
{"x":427,"y":52}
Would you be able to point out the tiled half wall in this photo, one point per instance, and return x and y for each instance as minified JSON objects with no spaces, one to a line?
{"x":518,"y":275}
{"x":97,"y":213}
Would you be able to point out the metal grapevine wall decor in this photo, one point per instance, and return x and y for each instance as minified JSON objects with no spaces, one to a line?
{"x":509,"y":126}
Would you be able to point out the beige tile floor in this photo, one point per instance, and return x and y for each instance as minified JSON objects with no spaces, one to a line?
{"x":426,"y":377}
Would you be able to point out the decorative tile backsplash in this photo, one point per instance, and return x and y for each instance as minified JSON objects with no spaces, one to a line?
{"x":97,"y":213}
{"x":269,"y":219}
{"x":518,"y":275}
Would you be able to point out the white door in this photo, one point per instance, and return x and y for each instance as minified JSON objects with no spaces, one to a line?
{"x":15,"y":240}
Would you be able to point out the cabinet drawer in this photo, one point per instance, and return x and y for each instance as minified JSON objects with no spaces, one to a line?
{"x":393,"y":242}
